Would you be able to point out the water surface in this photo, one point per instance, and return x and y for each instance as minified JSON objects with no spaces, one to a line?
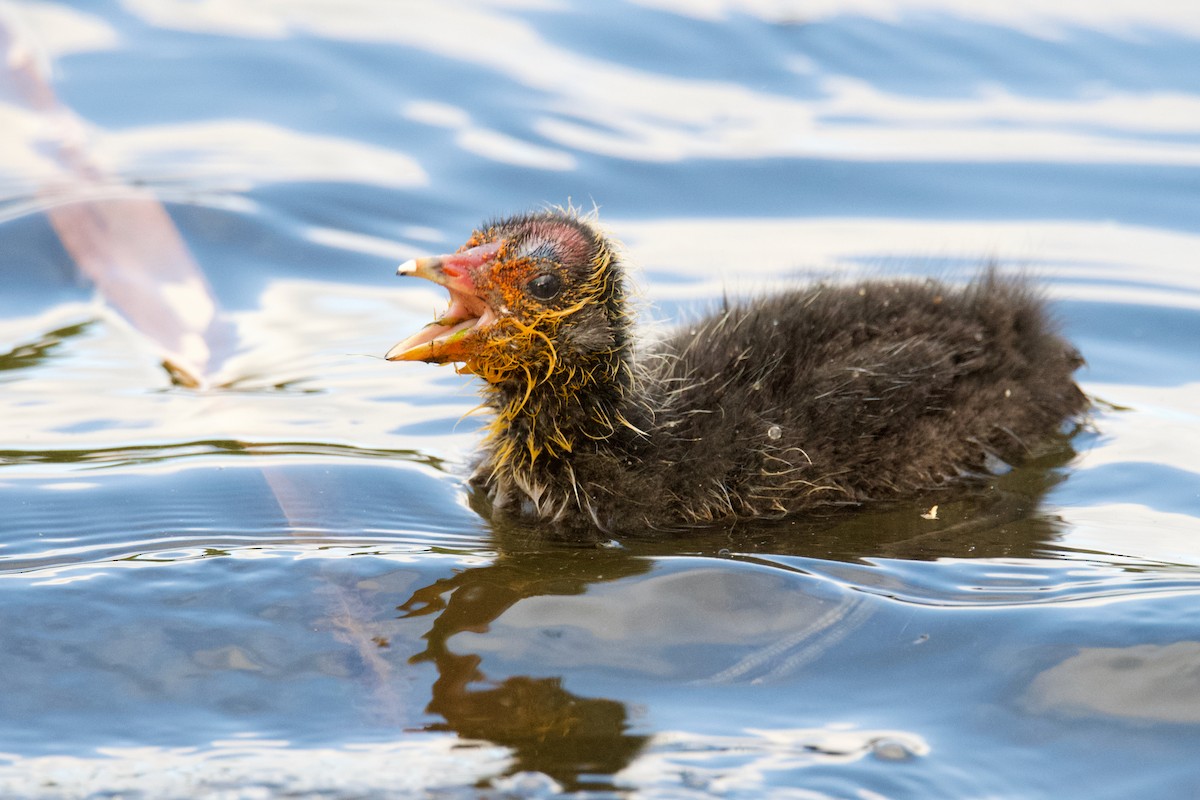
{"x":277,"y":583}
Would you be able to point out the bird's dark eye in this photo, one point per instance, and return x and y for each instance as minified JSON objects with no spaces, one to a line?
{"x":545,"y":286}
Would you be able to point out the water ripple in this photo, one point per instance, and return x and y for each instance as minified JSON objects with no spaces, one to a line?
{"x":995,"y":583}
{"x":62,"y":565}
{"x":116,"y":457}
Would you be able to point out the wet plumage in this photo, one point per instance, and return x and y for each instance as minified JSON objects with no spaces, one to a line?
{"x":822,"y":396}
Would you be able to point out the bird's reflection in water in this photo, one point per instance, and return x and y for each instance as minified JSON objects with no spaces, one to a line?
{"x":550,"y":729}
{"x":652,"y":607}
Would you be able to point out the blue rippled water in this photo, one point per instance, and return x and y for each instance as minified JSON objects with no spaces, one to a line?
{"x":274,"y":584}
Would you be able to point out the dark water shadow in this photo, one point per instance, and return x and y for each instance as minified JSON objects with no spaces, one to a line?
{"x":34,"y":352}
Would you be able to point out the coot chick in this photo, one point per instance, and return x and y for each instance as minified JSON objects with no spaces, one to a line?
{"x":829,"y":395}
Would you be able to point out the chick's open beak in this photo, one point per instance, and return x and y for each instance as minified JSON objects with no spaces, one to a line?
{"x":445,"y":338}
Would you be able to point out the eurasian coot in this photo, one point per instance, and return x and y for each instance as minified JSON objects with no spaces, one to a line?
{"x":828,"y":395}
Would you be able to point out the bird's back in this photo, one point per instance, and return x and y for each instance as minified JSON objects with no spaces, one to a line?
{"x":851,"y":393}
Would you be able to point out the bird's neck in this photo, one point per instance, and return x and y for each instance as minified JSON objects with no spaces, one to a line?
{"x":546,"y":425}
